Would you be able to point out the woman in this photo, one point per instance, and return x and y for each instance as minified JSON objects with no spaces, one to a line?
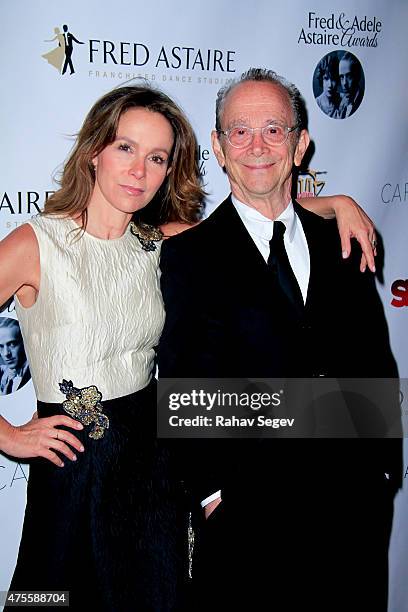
{"x":90,"y":309}
{"x":56,"y":56}
{"x":109,"y":525}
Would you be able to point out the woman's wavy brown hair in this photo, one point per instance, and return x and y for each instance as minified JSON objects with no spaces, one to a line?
{"x":180,"y":198}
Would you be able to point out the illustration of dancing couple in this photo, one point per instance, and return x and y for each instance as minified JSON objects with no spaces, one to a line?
{"x":61,"y":57}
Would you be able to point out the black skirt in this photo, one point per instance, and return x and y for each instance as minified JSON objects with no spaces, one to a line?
{"x":111,"y":527}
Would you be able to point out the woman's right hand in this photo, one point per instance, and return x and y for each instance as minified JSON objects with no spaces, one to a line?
{"x":41,"y":437}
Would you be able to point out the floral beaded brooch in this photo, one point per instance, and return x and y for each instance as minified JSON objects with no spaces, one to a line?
{"x":147,"y":235}
{"x":85,"y":406}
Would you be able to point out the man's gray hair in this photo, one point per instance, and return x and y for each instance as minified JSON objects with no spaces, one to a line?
{"x":269,"y":76}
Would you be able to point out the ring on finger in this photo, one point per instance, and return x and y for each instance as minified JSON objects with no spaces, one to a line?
{"x":373,"y":243}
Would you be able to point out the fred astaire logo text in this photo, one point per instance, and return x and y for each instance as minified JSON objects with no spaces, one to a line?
{"x":127,"y":54}
{"x":340,"y":30}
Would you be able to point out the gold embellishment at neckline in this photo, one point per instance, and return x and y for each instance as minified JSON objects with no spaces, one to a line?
{"x":147,"y":235}
{"x":84,"y":406}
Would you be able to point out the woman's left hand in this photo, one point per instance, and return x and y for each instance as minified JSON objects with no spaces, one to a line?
{"x":353,"y":222}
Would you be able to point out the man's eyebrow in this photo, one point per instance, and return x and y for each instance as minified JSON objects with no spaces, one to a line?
{"x":238,"y":119}
{"x":245,"y":121}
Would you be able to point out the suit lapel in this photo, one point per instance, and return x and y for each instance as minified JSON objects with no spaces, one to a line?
{"x":235,"y":238}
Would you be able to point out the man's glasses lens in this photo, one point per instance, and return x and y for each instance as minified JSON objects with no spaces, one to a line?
{"x":242,"y":136}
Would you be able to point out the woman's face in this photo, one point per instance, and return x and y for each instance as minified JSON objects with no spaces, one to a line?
{"x":130,"y":170}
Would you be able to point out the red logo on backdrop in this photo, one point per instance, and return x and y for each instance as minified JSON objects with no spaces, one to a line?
{"x":399,"y":290}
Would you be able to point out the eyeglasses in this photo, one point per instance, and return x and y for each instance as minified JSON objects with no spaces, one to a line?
{"x":241,"y":136}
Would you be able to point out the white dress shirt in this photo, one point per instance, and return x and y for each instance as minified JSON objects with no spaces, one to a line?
{"x":260,"y":229}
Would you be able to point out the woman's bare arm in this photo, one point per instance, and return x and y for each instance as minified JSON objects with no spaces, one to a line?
{"x":352,"y":222}
{"x":19,"y":264}
{"x":20,"y":274}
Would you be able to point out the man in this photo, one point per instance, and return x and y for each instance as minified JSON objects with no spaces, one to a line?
{"x":350,"y":79}
{"x":328,"y":77}
{"x":292,"y":524}
{"x":14,"y":371}
{"x":69,"y":38}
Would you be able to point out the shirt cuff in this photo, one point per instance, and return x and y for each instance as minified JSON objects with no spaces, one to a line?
{"x":211,"y":498}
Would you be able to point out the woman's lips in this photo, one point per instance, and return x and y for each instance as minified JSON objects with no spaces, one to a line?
{"x":133,"y":191}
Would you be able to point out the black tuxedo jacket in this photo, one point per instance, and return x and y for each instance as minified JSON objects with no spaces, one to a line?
{"x":223,"y":320}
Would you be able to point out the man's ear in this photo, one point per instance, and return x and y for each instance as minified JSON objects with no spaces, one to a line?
{"x":301,"y":147}
{"x":217,"y":148}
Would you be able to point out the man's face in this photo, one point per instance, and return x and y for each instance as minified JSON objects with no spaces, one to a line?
{"x":258,"y":171}
{"x":11,"y":347}
{"x":348,"y":78}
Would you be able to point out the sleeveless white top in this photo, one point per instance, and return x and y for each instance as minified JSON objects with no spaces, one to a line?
{"x":98,"y":315}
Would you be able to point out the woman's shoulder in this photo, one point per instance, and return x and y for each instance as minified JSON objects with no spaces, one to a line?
{"x":23,"y":237}
{"x":43,"y":219}
{"x":30,"y":237}
{"x":54,"y":227}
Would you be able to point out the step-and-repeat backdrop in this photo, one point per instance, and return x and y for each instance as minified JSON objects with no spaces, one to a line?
{"x":57,"y":58}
